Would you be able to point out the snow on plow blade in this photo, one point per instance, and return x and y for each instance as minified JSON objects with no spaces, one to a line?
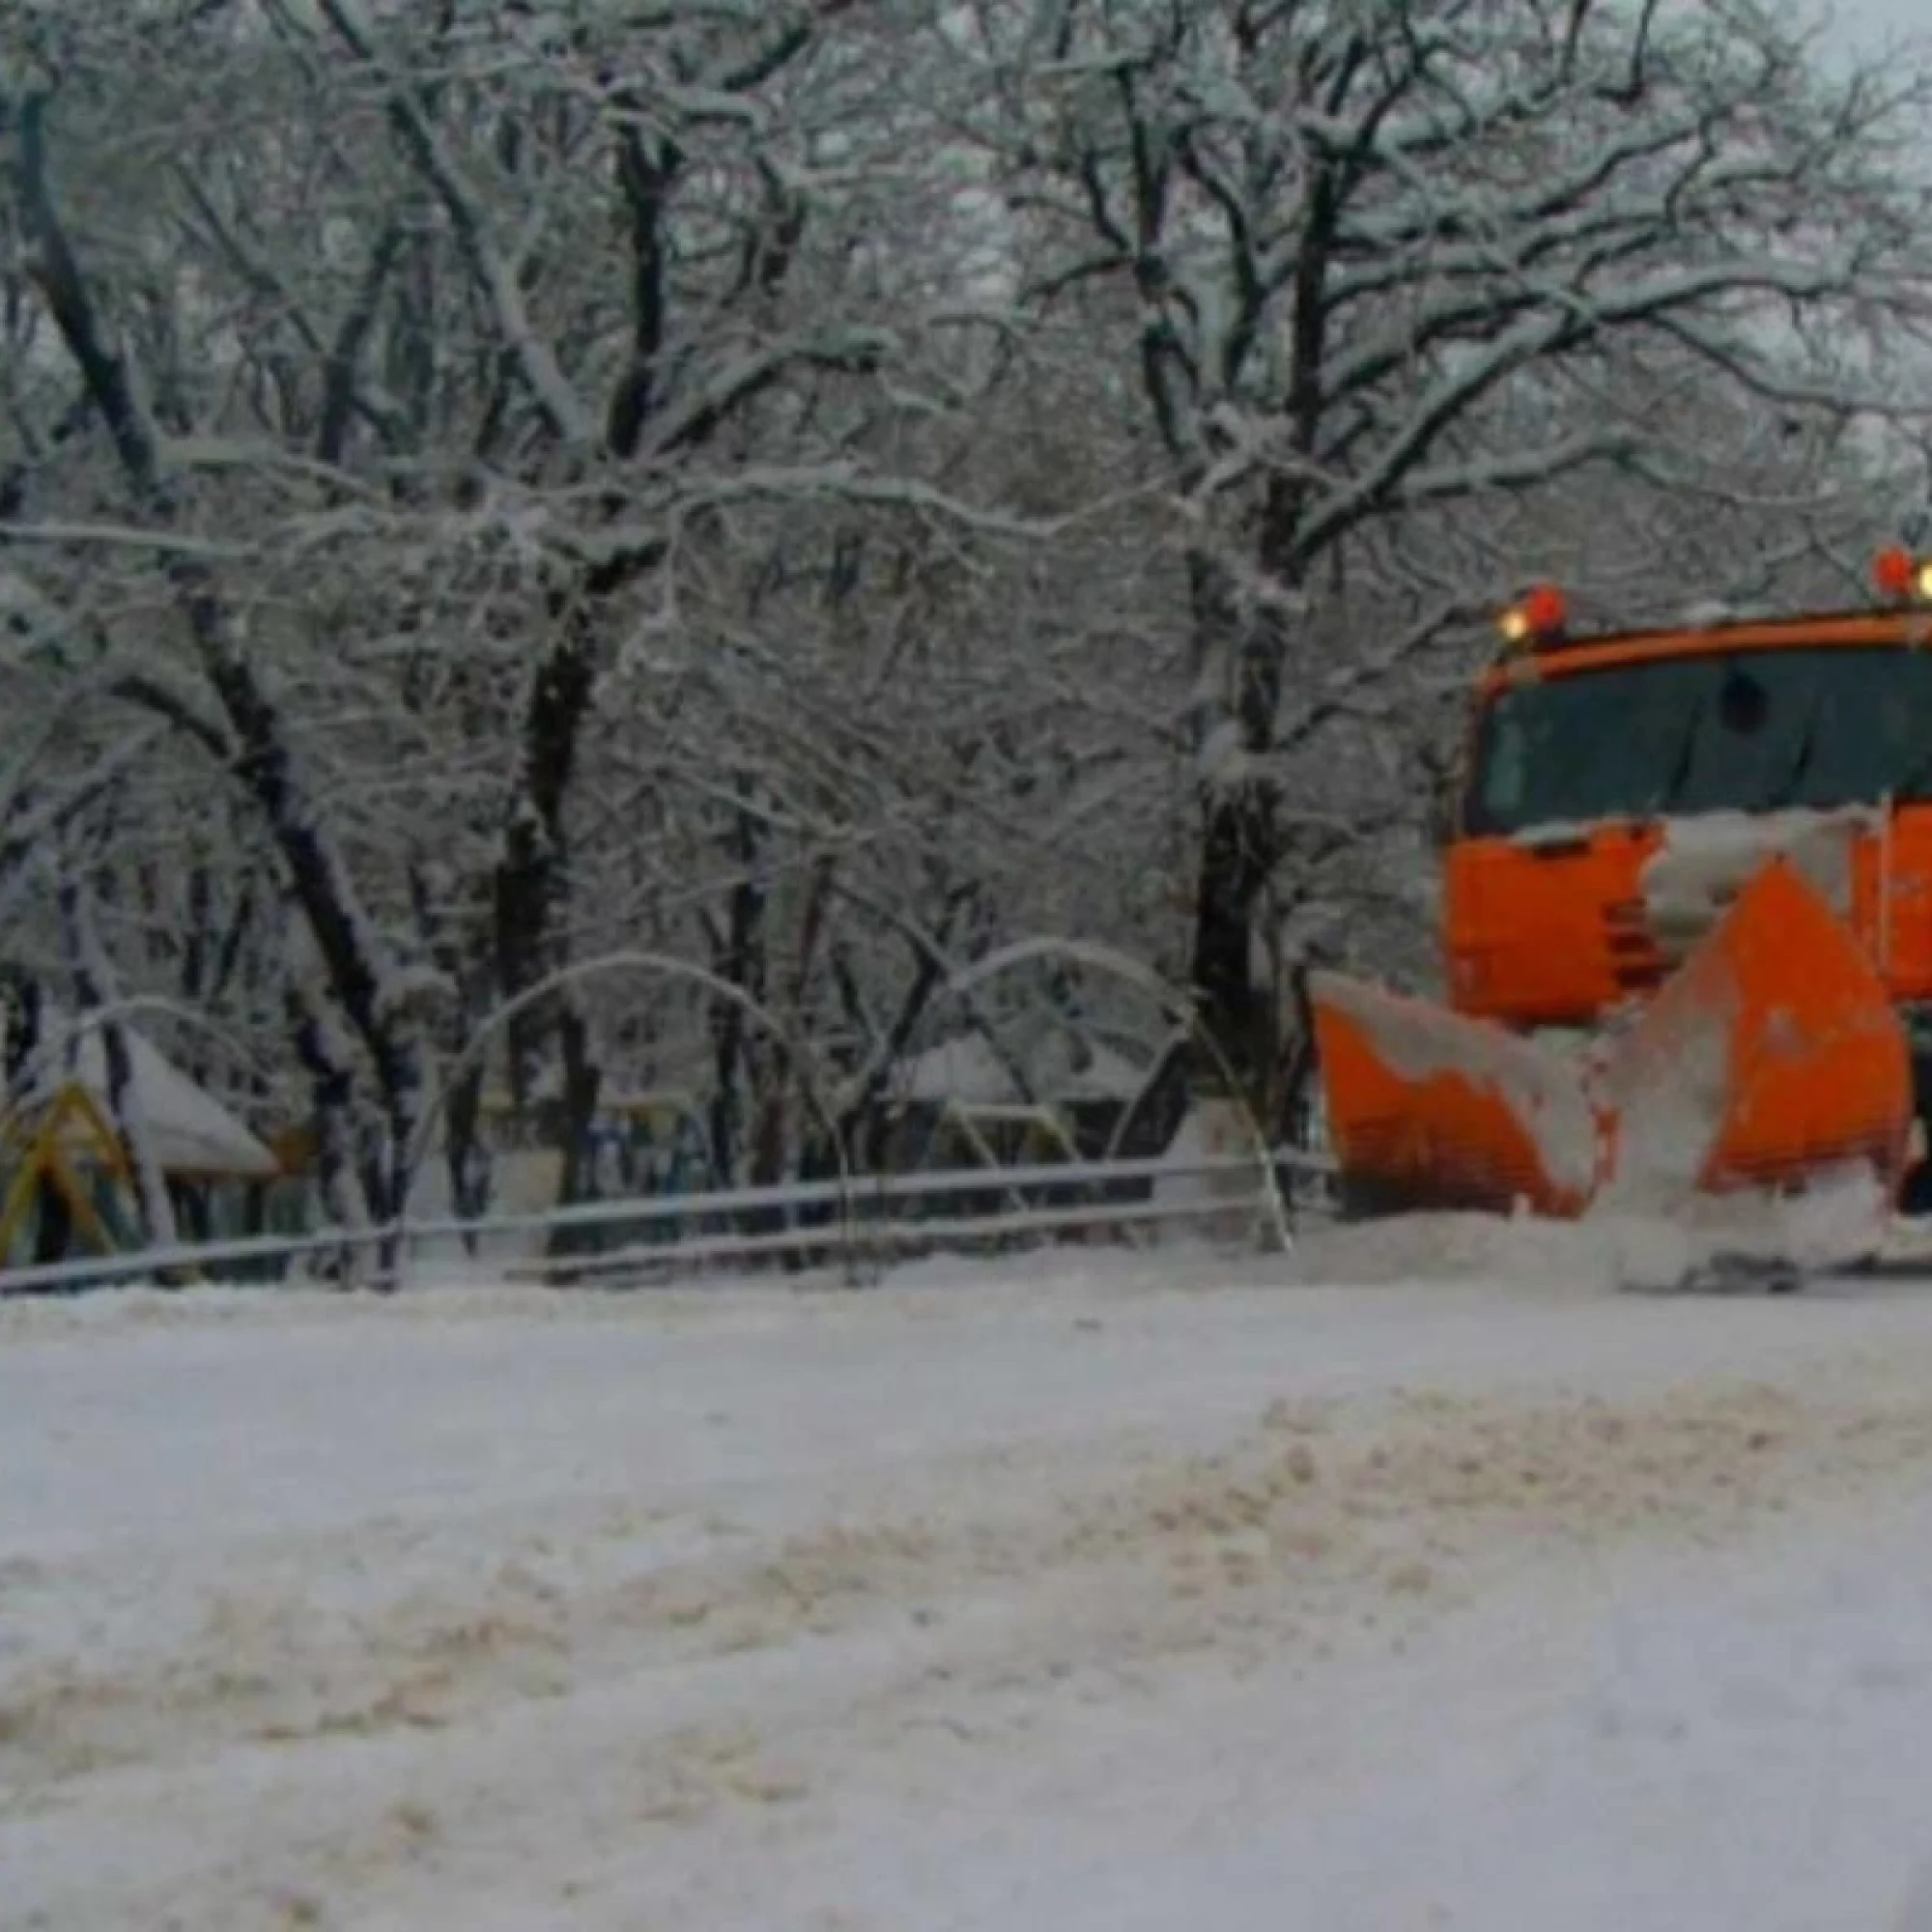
{"x":1773,"y":1053}
{"x":1429,"y":1109}
{"x":1771,"y":1057}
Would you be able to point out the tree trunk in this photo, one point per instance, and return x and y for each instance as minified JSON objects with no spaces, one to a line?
{"x":582,"y":1083}
{"x":22,"y":1033}
{"x":742,"y":959}
{"x":532,"y":882}
{"x":358,"y":972}
{"x":463,"y":1152}
{"x":1236,"y":1003}
{"x":330,"y":1091}
{"x":459,"y":949}
{"x":1237,"y":655}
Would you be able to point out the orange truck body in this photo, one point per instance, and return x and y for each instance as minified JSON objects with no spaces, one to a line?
{"x":1547,"y":929}
{"x":1766,"y":1030}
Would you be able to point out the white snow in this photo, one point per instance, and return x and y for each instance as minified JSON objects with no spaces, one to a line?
{"x":190,"y":1130}
{"x":1668,"y":1081}
{"x":968,"y":1072}
{"x":1214,"y":1176}
{"x":1103,"y":1595}
{"x":1707,"y":859}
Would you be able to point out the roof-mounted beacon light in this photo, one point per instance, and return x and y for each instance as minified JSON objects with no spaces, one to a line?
{"x":1540,"y":618}
{"x":1901,"y":577}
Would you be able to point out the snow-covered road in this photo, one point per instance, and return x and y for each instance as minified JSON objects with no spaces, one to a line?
{"x":1096,"y":1602}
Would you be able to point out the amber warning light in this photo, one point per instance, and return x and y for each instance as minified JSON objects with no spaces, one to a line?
{"x":1539,"y":618}
{"x":1902,"y":577}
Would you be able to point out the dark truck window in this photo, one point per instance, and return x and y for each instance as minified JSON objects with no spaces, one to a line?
{"x":1751,"y":730}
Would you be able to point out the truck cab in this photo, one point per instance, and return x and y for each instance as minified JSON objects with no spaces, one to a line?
{"x":1618,"y":789}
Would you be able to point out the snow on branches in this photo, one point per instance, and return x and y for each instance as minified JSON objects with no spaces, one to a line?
{"x":819,"y":489}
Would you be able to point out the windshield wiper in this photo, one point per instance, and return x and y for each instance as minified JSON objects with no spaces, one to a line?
{"x":1680,"y":768}
{"x":1807,"y":743}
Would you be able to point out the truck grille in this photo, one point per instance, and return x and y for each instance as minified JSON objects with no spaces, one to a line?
{"x":1635,"y":963}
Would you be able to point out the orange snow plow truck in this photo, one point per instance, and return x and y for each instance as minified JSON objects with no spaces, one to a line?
{"x":1687,"y":927}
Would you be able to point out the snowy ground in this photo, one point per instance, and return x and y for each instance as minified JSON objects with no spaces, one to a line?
{"x":1086,"y":1601}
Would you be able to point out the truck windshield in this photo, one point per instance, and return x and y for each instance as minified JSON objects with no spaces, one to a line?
{"x":1749,"y":730}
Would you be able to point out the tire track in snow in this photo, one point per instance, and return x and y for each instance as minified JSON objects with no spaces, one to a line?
{"x":1312,"y":1516}
{"x":528,"y":1689}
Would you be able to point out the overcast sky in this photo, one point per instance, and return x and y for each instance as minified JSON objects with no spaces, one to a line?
{"x":1874,"y":19}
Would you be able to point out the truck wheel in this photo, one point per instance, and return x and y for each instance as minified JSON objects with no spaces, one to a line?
{"x":1914,"y":1198}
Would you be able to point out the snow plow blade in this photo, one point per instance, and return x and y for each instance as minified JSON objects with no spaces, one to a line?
{"x":1429,"y":1109}
{"x":1771,"y":1058}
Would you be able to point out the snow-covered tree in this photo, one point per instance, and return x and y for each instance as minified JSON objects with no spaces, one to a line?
{"x":819,"y":489}
{"x":1384,"y":260}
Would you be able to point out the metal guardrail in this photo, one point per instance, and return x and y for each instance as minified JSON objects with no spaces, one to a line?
{"x":848,"y":1222}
